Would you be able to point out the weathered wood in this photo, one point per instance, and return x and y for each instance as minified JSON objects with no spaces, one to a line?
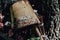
{"x":38,"y":32}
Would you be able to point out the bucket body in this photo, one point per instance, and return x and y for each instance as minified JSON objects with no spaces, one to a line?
{"x":24,"y":14}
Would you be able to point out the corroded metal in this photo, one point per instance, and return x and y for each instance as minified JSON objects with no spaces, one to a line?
{"x":24,"y":14}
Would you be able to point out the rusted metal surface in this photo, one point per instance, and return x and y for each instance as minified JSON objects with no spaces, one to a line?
{"x":24,"y":14}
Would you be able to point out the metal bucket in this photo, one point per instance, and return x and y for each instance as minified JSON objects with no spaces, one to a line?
{"x":23,"y":14}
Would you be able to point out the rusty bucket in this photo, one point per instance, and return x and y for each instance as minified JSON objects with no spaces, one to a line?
{"x":23,"y":14}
